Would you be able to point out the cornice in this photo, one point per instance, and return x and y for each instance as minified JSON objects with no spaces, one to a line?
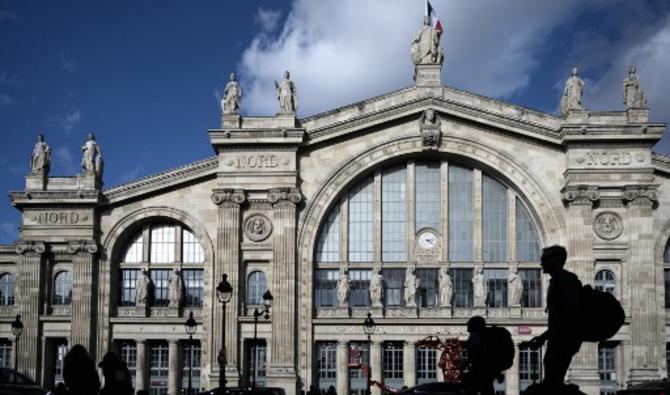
{"x":661,"y":162}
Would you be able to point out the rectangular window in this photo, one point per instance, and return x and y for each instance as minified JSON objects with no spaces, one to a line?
{"x":193,"y":287}
{"x":461,"y":214}
{"x":527,"y":244}
{"x":667,"y":358}
{"x":394,"y":214}
{"x":361,"y":221}
{"x":328,"y":247}
{"x":428,"y":199}
{"x":392,"y":356}
{"x":666,"y":276}
{"x":190,"y":362}
{"x":6,"y":354}
{"x":494,"y":217}
{"x":607,"y":368}
{"x":426,"y":365}
{"x":128,"y":353}
{"x":429,"y":286}
{"x":162,"y":244}
{"x":497,"y":283}
{"x":359,"y":356}
{"x":532,"y":287}
{"x":128,"y":283}
{"x":191,"y":248}
{"x":462,"y":282}
{"x":326,"y":365}
{"x":325,"y":288}
{"x":394,"y":280}
{"x":256,"y":361}
{"x":359,"y":288}
{"x":529,"y":366}
{"x":161,"y":280}
{"x":158,"y":368}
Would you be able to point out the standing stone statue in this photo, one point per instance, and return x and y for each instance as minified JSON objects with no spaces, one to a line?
{"x":480,"y":287}
{"x":572,"y":94}
{"x":412,"y":284}
{"x":143,"y":287}
{"x":343,"y":288}
{"x":425,"y":48}
{"x":514,"y":287}
{"x":287,"y":94}
{"x":40,"y":160}
{"x":232,"y":95}
{"x":633,"y":95}
{"x":446,"y":287}
{"x":175,"y":289}
{"x":91,"y":160}
{"x":376,"y":289}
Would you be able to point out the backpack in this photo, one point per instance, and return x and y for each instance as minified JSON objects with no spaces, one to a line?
{"x":601,"y":315}
{"x":500,"y":348}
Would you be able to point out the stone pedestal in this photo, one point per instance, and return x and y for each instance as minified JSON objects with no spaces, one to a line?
{"x":36,"y":182}
{"x":141,"y":310}
{"x":173,"y":311}
{"x":377,"y":312}
{"x":231,"y":121}
{"x":428,"y":74}
{"x":637,"y":115}
{"x":515,"y":311}
{"x":88,"y":181}
{"x":480,"y":311}
{"x":285,"y":120}
{"x":446,"y":311}
{"x":577,"y":116}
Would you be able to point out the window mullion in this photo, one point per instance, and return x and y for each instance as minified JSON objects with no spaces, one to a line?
{"x":477,"y":192}
{"x":411,"y":212}
{"x":178,"y":239}
{"x":377,"y":217}
{"x":511,"y":226}
{"x":146,"y":236}
{"x":344,"y":230}
{"x":444,"y":204}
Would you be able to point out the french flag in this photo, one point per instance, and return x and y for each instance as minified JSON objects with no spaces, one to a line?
{"x":434,"y":20}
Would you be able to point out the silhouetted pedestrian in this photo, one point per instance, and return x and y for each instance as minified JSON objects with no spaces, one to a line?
{"x":480,"y":375}
{"x":331,"y":391}
{"x":61,"y":389}
{"x":79,"y":372}
{"x":116,"y":374}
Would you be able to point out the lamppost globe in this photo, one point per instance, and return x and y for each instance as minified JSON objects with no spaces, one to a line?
{"x":267,"y":300}
{"x":17,"y":326}
{"x":369,"y":325}
{"x":224,"y":290}
{"x":190,"y":325}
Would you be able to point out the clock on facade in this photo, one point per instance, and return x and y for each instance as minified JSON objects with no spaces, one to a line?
{"x":427,"y":239}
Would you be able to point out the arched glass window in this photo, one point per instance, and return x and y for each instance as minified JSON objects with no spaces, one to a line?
{"x":605,"y":281}
{"x":256,"y":287}
{"x":191,"y":248}
{"x":62,"y":288}
{"x":134,"y":251}
{"x":328,"y":248}
{"x":163,"y":240}
{"x":7,"y":289}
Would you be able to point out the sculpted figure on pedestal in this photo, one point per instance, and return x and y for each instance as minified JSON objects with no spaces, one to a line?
{"x":425,"y":48}
{"x":412,"y":284}
{"x":376,"y":289}
{"x":343,"y":288}
{"x":91,"y":160}
{"x":633,"y":95}
{"x":479,"y":286}
{"x":232,"y":95}
{"x":175,"y":289}
{"x":287,"y":94}
{"x":40,"y":160}
{"x":514,"y":286}
{"x":143,"y":287}
{"x":572,"y":94}
{"x":446,"y":287}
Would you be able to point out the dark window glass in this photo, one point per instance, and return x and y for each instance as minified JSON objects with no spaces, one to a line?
{"x":192,"y":370}
{"x":394,"y":280}
{"x":128,"y":284}
{"x":161,"y":280}
{"x":256,"y":287}
{"x":326,"y":364}
{"x":7,"y":289}
{"x":532,"y":287}
{"x":497,"y":284}
{"x":325,"y":288}
{"x":63,"y":288}
{"x":429,"y":285}
{"x":193,"y":285}
{"x":605,"y":281}
{"x":359,"y":288}
{"x":462,"y":282}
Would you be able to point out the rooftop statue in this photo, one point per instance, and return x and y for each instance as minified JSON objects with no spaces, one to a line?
{"x":287,"y":95}
{"x":40,"y":160}
{"x":633,"y":95}
{"x":425,"y":48}
{"x":232,"y":95}
{"x":91,"y":160}
{"x":572,"y":94}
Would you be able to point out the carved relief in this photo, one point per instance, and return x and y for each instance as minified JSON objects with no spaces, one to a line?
{"x":430,"y":130}
{"x":257,"y":161}
{"x":580,"y":195}
{"x":640,"y":194}
{"x":228,"y":196}
{"x":86,"y":246}
{"x":257,"y":227}
{"x":29,"y":246}
{"x":58,"y":218}
{"x":292,"y":195}
{"x":608,"y":225}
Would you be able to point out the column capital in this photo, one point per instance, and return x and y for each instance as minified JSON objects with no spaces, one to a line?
{"x":82,"y":247}
{"x":580,"y":195}
{"x":280,"y":195}
{"x":30,"y":247}
{"x":641,"y":195}
{"x":228,"y":197}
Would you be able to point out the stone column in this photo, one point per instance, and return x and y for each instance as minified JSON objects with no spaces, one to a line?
{"x":173,"y":364}
{"x":342,"y":367}
{"x":227,"y":262}
{"x":30,"y":293}
{"x":376,"y":365}
{"x":83,"y":295}
{"x":580,"y":200}
{"x":281,"y":369}
{"x":512,"y":374}
{"x":645,"y":342}
{"x":409,"y":363}
{"x":141,"y":366}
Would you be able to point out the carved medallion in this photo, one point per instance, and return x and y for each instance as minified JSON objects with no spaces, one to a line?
{"x":608,"y":225}
{"x":257,"y":227}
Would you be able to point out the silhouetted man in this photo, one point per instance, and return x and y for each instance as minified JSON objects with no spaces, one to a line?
{"x":563,"y":308}
{"x":479,"y":378}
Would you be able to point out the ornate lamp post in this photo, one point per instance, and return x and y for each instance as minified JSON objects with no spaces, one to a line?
{"x":17,"y":329}
{"x":267,"y":303}
{"x":190,"y":326}
{"x":224,"y":291}
{"x":369,"y":328}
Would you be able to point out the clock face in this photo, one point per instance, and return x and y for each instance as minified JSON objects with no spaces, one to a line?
{"x":427,"y":240}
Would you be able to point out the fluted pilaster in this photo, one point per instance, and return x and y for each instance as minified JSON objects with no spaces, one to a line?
{"x":342,"y":367}
{"x":83,"y":295}
{"x":141,"y":366}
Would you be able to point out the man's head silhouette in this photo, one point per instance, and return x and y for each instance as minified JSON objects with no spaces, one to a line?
{"x":476,"y":324}
{"x":553,"y":259}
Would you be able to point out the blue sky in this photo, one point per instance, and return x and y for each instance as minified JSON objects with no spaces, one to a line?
{"x":145,"y":75}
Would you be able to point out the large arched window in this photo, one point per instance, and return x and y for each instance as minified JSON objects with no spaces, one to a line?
{"x":7,"y":289}
{"x":62,"y":288}
{"x":256,"y":287}
{"x":430,"y":214}
{"x":605,"y":281}
{"x":160,"y":248}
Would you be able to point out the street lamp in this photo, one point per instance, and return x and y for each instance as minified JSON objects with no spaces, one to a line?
{"x":267,"y":303}
{"x":369,"y":328}
{"x":224,"y":291}
{"x":191,"y":326}
{"x":17,"y":329}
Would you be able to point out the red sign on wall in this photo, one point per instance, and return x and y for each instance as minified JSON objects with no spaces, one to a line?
{"x":524,"y":330}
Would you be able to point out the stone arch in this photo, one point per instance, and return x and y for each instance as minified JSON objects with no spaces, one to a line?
{"x":662,"y":240}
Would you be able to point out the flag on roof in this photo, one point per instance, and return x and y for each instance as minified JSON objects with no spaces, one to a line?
{"x":434,"y":20}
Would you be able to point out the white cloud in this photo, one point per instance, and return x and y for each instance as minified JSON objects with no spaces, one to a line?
{"x":65,"y":64}
{"x":8,"y":15}
{"x":64,"y":160}
{"x":69,"y":121}
{"x":6,"y":100}
{"x":490,"y":48}
{"x":268,"y":19}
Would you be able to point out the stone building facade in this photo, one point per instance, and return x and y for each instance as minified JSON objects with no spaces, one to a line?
{"x":423,"y":207}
